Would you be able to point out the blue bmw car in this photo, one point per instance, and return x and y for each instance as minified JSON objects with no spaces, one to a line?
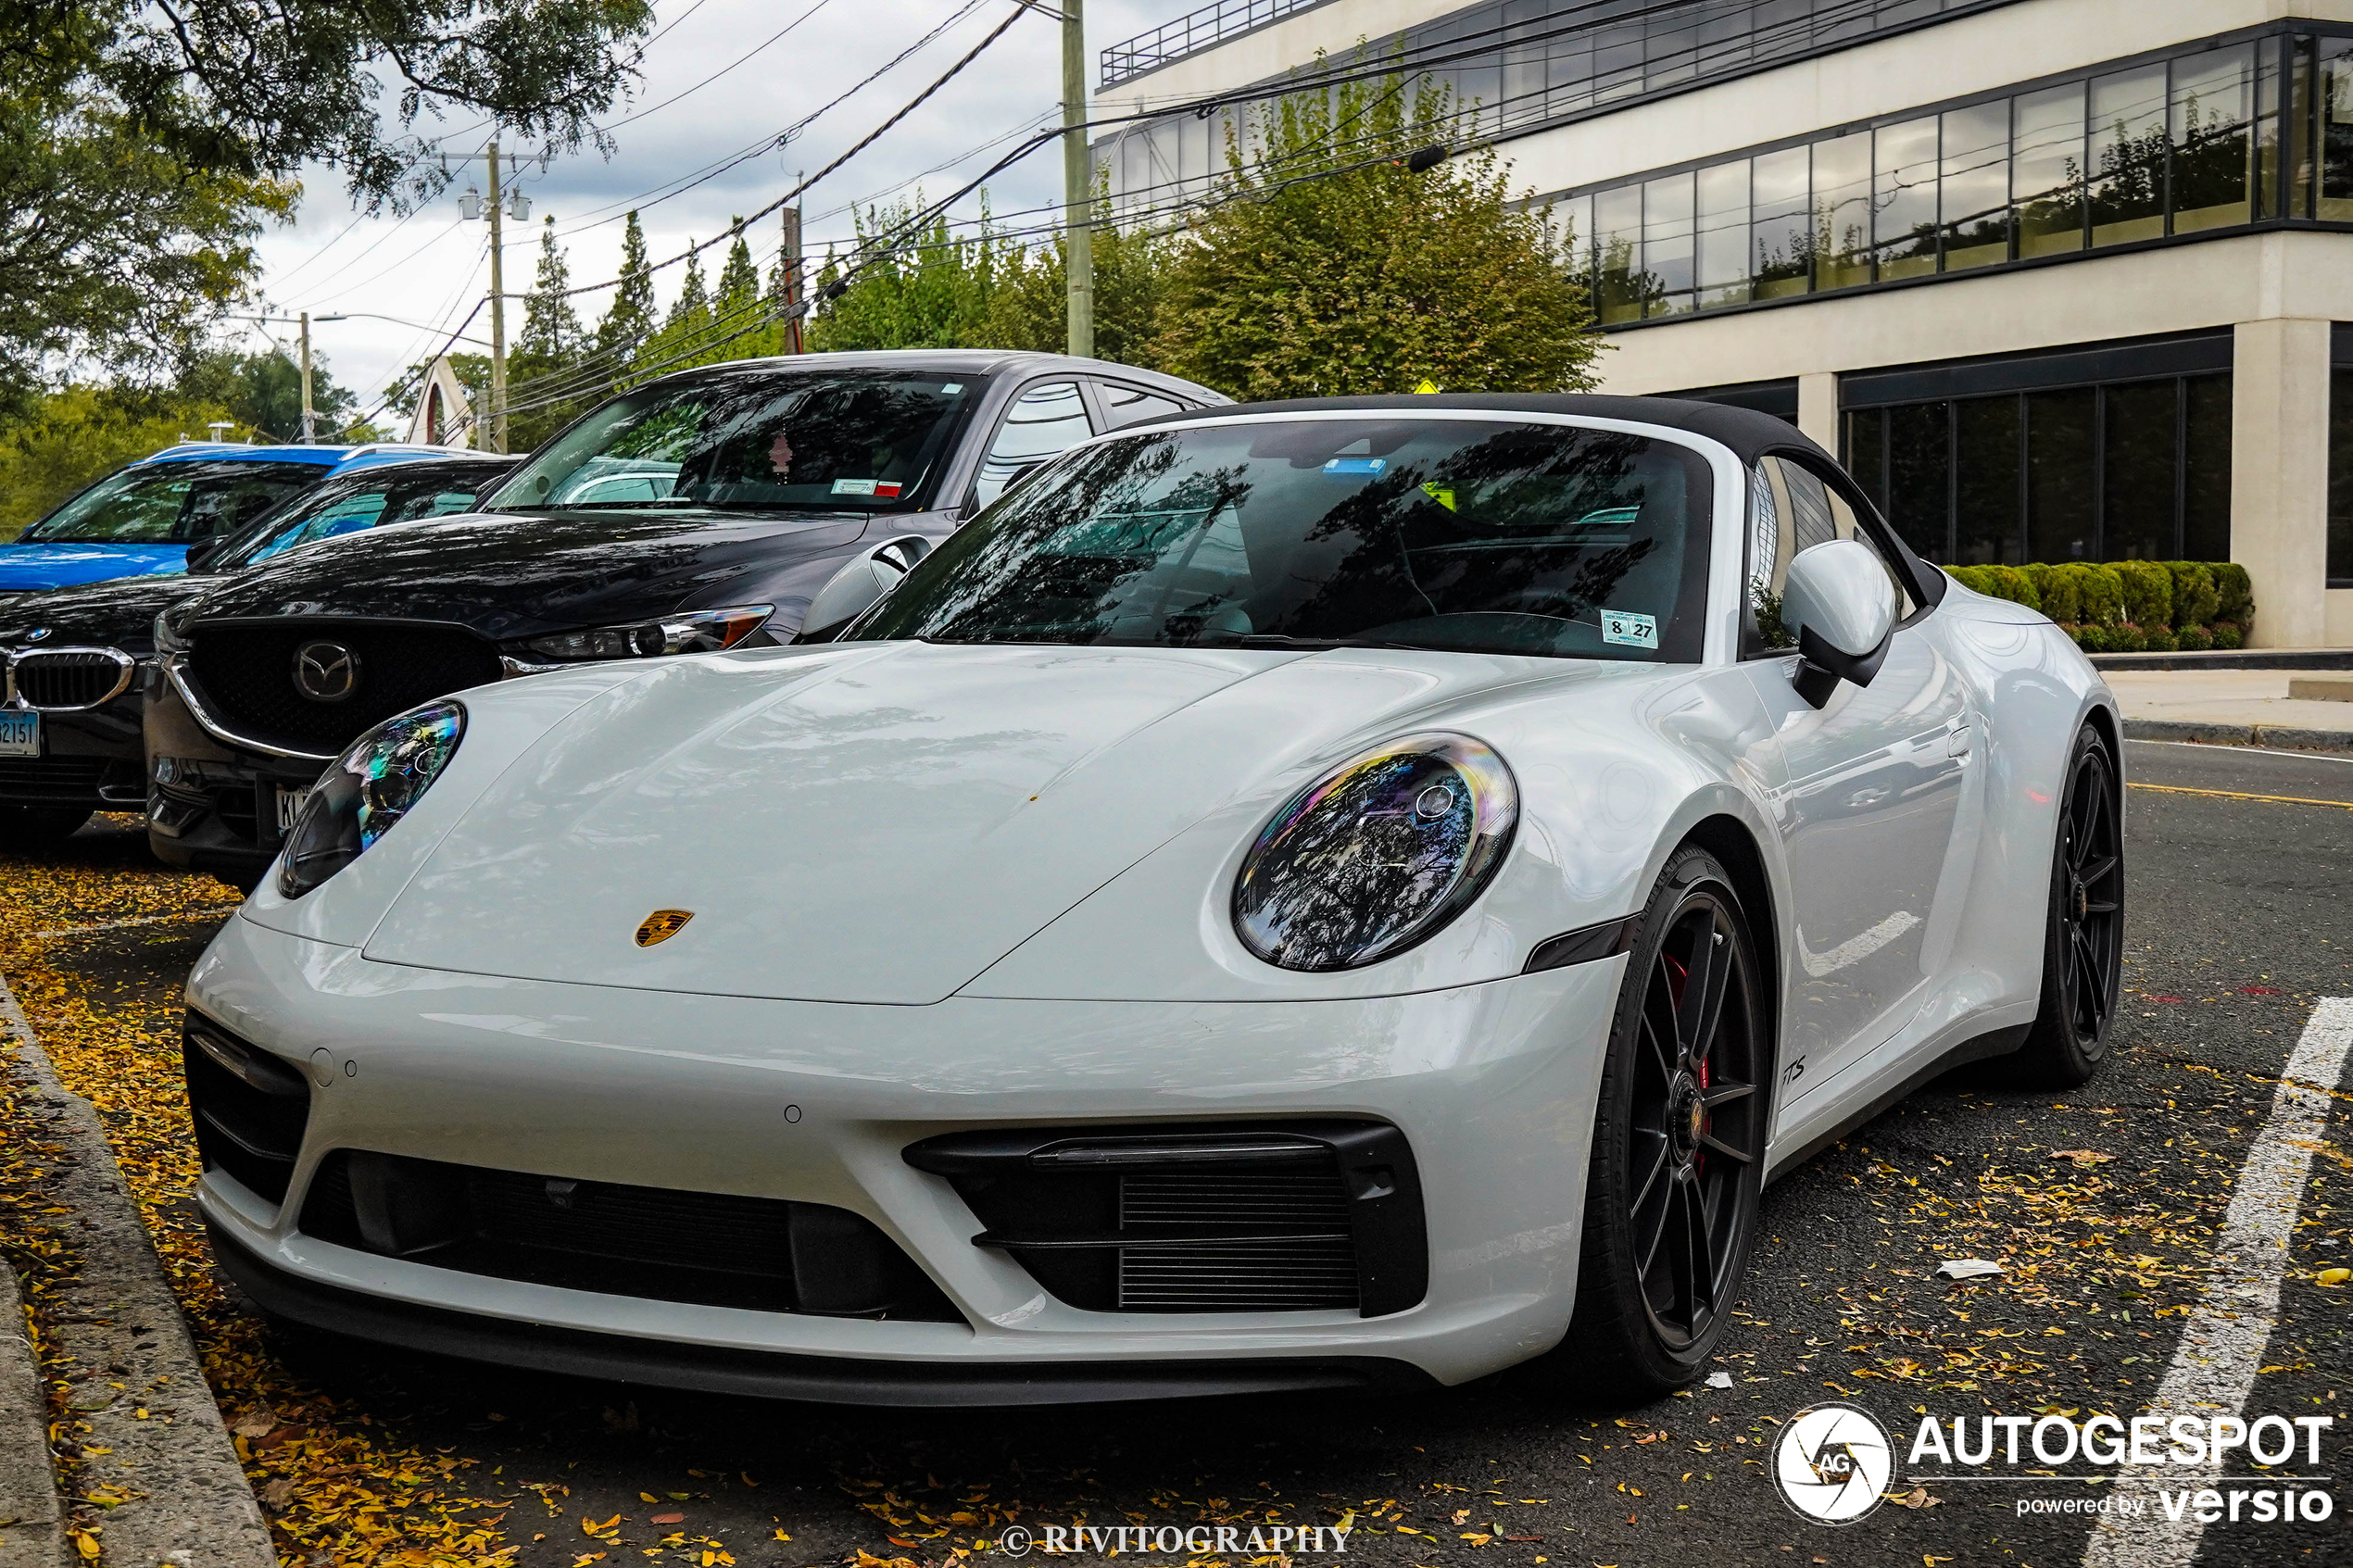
{"x":141,"y":520}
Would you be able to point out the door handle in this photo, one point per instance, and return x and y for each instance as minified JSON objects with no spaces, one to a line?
{"x":1959,"y":745}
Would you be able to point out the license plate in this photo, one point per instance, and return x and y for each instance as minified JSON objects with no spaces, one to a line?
{"x":19,"y":735}
{"x":290,"y":805}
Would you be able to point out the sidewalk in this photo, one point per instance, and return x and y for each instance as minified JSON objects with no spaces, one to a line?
{"x":2233,"y":706}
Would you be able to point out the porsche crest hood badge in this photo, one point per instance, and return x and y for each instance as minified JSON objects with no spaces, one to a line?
{"x":662,"y":925}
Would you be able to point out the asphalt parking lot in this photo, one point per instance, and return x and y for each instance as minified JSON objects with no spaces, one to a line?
{"x":2101,"y":1204}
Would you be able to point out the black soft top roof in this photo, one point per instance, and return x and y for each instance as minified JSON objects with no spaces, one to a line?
{"x":1749,"y":433}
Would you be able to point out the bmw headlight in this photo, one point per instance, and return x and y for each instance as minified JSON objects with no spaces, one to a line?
{"x":368,"y":789}
{"x":1377,"y":855}
{"x":692,"y":631}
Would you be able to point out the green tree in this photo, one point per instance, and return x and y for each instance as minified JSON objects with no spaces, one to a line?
{"x":251,"y":89}
{"x":684,"y":332}
{"x":548,"y":353}
{"x":918,"y":285}
{"x":143,"y":146}
{"x":1029,"y":307}
{"x":629,"y":320}
{"x":734,"y":304}
{"x":263,"y":393}
{"x":1317,"y":275}
{"x":110,"y":251}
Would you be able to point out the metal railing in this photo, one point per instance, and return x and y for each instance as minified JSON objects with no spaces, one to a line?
{"x":1191,"y":32}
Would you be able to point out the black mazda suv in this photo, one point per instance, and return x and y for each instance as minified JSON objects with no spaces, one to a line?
{"x":732,"y":506}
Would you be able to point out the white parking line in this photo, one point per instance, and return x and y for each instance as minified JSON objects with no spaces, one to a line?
{"x":2241,"y":750}
{"x":2213,"y":1370}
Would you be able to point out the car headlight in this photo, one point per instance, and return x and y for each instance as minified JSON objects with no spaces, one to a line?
{"x":172,"y":635}
{"x":692,"y":630}
{"x":368,"y":789}
{"x":1377,"y":855}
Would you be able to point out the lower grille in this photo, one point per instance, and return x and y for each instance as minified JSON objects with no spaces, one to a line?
{"x":714,"y":1250}
{"x":1292,"y":1217}
{"x":66,"y":781}
{"x":249,"y":1108}
{"x":69,"y":678}
{"x":247,"y":674}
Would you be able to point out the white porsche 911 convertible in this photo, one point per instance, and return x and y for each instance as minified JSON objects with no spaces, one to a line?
{"x":1355,"y":892}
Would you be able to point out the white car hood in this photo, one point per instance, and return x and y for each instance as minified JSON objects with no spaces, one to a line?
{"x":874,"y":822}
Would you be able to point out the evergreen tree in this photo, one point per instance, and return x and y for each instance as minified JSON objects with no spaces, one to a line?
{"x":683,"y":339}
{"x":547,"y":357}
{"x":551,"y":330}
{"x":629,"y":320}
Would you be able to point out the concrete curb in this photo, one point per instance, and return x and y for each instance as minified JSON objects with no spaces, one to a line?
{"x":2237,"y":658}
{"x":119,"y":1327}
{"x":32,"y":1529}
{"x":2239,"y":735}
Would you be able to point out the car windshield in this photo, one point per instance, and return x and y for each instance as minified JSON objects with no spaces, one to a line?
{"x":393,"y":492}
{"x":174,"y":503}
{"x":859,"y":440}
{"x":1468,"y":534}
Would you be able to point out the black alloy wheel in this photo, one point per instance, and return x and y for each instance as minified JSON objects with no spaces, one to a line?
{"x":1678,"y":1142}
{"x":2083,"y":937}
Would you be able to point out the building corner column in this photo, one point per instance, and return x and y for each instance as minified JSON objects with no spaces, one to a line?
{"x":2280,"y":475}
{"x":1818,"y":409}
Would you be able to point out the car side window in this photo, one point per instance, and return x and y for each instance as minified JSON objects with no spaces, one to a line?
{"x":1045,"y":421}
{"x":1131,"y":405}
{"x":1791,"y":510}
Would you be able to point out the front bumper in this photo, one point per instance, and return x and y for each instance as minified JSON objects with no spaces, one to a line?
{"x":219,"y":812}
{"x":816,"y":1103}
{"x":90,"y":759}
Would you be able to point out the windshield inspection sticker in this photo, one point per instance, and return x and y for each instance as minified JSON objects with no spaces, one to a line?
{"x":853,"y":487}
{"x":1351,"y":467}
{"x":1623,"y":626}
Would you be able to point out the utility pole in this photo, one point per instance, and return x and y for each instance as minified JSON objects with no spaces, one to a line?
{"x":792,"y":280}
{"x":1078,"y":184}
{"x":497,"y":314}
{"x":310,"y":415}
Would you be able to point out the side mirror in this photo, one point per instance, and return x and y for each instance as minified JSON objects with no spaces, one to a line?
{"x":860,"y":583}
{"x":204,"y":550}
{"x":1839,"y":603}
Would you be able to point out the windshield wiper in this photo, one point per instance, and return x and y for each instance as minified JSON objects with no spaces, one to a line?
{"x":1311,"y":645}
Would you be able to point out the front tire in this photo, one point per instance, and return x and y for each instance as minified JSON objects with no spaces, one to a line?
{"x":2083,"y":928}
{"x":1679,"y":1143}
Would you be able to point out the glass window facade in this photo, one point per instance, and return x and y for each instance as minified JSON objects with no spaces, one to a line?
{"x":2147,"y":152}
{"x":1525,"y":63}
{"x":2131,"y":469}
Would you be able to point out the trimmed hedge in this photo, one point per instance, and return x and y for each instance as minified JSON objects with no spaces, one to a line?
{"x":2116,"y":606}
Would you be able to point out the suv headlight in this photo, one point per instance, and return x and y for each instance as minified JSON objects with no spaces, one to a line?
{"x":171,"y":632}
{"x":692,"y":630}
{"x":1377,"y":855}
{"x":368,"y":789}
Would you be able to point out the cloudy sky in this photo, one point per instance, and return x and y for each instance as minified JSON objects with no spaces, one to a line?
{"x":722,"y":76}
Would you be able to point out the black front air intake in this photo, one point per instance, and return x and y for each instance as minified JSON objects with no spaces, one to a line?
{"x":249,"y":1108}
{"x":246,"y":673}
{"x":1283,"y":1217}
{"x":712,"y":1250}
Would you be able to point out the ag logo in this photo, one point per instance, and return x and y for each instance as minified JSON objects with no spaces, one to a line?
{"x":662,"y":925}
{"x":1831,"y":1463}
{"x":325,"y":672}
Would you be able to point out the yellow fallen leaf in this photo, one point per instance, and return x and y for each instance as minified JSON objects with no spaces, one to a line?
{"x":2336,"y":1276}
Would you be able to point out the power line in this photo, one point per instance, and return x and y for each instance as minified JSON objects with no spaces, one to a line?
{"x":740,"y":59}
{"x":713,"y":170}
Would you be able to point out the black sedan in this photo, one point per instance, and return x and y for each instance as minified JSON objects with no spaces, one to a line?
{"x":76,"y":663}
{"x":731,"y":506}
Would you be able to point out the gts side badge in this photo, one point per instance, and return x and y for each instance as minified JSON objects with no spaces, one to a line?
{"x":662,"y":925}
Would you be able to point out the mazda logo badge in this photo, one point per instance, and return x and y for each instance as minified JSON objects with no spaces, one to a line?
{"x":325,"y":672}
